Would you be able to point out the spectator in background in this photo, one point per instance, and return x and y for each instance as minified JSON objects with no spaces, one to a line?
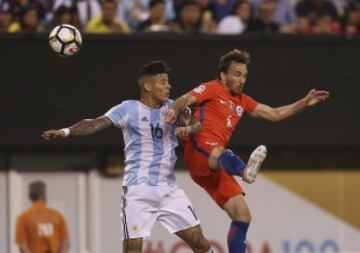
{"x":19,"y":7}
{"x":284,"y":11}
{"x":325,"y":24}
{"x":64,"y":15}
{"x":189,"y":18}
{"x":222,"y":8}
{"x":5,"y":17}
{"x":156,"y":21}
{"x":351,"y":21}
{"x":41,"y":229}
{"x":311,"y":9}
{"x":107,"y":22}
{"x":265,"y":20}
{"x":301,"y":26}
{"x":29,"y":21}
{"x":208,"y":24}
{"x":238,"y":21}
{"x":87,"y":10}
{"x":133,"y":12}
{"x":204,"y":4}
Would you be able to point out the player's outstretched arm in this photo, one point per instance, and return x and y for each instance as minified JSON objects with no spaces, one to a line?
{"x":283,"y":112}
{"x":178,"y":106}
{"x":83,"y":127}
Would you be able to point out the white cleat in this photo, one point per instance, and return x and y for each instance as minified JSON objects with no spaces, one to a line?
{"x":253,"y":166}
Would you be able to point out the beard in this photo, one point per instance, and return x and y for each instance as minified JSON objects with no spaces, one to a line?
{"x":236,"y":91}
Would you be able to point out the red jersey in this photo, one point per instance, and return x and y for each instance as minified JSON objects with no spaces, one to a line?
{"x":219,"y":111}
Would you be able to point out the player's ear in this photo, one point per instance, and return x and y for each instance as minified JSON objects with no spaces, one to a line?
{"x":147,"y":86}
{"x":223,"y":76}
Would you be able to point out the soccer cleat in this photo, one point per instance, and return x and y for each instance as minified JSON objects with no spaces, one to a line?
{"x":253,"y":166}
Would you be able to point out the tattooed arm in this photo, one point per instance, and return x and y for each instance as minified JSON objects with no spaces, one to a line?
{"x":187,"y":124}
{"x":83,"y":127}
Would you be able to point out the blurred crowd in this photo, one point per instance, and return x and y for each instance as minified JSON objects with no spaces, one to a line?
{"x":183,"y":16}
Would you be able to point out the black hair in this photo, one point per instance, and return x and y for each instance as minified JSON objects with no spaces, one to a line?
{"x":153,"y":3}
{"x":37,"y":190}
{"x":238,"y":3}
{"x":152,"y":68}
{"x":185,"y":3}
{"x":102,"y":2}
{"x":61,"y":10}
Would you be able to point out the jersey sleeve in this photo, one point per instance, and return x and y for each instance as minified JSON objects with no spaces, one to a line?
{"x":203,"y":92}
{"x":118,"y":114}
{"x":20,"y":233}
{"x":248,"y":102}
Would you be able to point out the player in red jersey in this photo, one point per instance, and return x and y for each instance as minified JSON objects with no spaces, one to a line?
{"x":220,"y":105}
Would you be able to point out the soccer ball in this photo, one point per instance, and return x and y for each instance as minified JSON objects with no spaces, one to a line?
{"x":65,"y":40}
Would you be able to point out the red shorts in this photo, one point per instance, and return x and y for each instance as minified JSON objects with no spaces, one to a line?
{"x":218,"y":184}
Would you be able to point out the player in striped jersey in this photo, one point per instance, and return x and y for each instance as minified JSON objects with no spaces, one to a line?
{"x":150,"y":190}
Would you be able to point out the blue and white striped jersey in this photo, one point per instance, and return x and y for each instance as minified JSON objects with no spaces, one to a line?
{"x":149,"y":143}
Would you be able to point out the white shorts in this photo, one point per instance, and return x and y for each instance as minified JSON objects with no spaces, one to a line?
{"x":144,"y":204}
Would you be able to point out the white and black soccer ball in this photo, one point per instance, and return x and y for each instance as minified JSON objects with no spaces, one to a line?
{"x":65,"y":40}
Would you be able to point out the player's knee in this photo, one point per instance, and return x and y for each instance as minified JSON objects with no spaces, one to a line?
{"x":245,"y":217}
{"x":238,"y":210}
{"x":241,"y":214}
{"x":231,"y":163}
{"x":214,"y":156}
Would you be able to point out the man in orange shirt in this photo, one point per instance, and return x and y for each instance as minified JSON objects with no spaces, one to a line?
{"x":219,"y":106}
{"x":41,"y":229}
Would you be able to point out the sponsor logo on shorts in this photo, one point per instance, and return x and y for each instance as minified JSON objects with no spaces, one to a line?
{"x":135,"y":228}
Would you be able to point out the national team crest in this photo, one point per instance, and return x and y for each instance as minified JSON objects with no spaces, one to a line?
{"x":239,"y":110}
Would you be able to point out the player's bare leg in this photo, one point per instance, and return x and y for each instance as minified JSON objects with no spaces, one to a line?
{"x":195,"y":239}
{"x":132,"y":245}
{"x":237,"y":209}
